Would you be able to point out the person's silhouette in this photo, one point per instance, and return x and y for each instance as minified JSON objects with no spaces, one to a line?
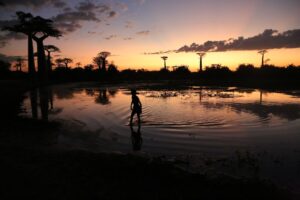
{"x":136,"y":138}
{"x":135,"y":106}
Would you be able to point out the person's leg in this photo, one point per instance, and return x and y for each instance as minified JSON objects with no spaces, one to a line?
{"x":139,"y":118}
{"x":131,"y":117}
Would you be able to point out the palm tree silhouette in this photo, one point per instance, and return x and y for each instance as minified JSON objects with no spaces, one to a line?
{"x":24,"y":26}
{"x":165,"y":58}
{"x":50,"y":49}
{"x":201,"y":55}
{"x":42,"y":29}
{"x":263,"y":52}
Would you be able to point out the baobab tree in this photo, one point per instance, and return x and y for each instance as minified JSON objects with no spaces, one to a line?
{"x":59,"y":62}
{"x":263,"y":52}
{"x":201,"y":55}
{"x":24,"y":26}
{"x":78,"y":64}
{"x":50,"y":49}
{"x":103,"y":55}
{"x":67,"y":61}
{"x":19,"y":64}
{"x":42,"y":29}
{"x":98,"y":61}
{"x":165,"y":58}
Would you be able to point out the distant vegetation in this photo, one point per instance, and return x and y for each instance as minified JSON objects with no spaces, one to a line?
{"x":245,"y":74}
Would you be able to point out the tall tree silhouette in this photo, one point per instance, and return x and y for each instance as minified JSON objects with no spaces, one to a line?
{"x":59,"y":62}
{"x":103,"y":55}
{"x":19,"y":64}
{"x":42,"y":29}
{"x":201,"y":55}
{"x":165,"y":58}
{"x":98,"y":61}
{"x":50,"y":49}
{"x":263,"y":52}
{"x":24,"y":25}
{"x":78,"y":64}
{"x":67,"y":61}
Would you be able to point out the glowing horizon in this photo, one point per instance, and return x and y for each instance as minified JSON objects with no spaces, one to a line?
{"x":136,"y":27}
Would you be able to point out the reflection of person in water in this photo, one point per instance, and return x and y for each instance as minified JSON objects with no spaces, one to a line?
{"x":136,"y":138}
{"x":136,"y":107}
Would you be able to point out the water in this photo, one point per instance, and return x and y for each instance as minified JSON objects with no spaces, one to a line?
{"x":192,"y":120}
{"x":188,"y":123}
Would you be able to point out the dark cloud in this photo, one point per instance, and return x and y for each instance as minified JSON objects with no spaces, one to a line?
{"x":67,"y":9}
{"x":6,"y":36}
{"x":129,"y":24}
{"x":9,"y":58}
{"x":92,"y":32}
{"x":143,"y":33}
{"x":269,"y":39}
{"x":112,"y":14}
{"x":111,"y":37}
{"x":71,"y":20}
{"x":128,"y":38}
{"x":159,"y":52}
{"x":34,"y":3}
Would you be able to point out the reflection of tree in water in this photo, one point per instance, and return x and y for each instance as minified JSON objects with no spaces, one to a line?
{"x":43,"y":97}
{"x":90,"y":92}
{"x":112,"y":92}
{"x":44,"y":102}
{"x":66,"y":93}
{"x":102,"y":98}
{"x":102,"y":95}
{"x":285,"y":111}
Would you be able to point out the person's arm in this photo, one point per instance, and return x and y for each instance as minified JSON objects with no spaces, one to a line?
{"x":131,"y":105}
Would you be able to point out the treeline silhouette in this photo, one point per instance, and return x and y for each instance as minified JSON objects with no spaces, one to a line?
{"x":245,"y":74}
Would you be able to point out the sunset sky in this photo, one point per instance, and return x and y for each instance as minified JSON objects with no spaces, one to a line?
{"x":130,"y":28}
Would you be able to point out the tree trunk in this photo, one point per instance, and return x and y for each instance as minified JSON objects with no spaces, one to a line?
{"x":49,"y":63}
{"x":103,"y":64}
{"x":44,"y":103}
{"x":42,"y":68}
{"x":34,"y":104}
{"x":201,"y":64}
{"x":31,"y":65}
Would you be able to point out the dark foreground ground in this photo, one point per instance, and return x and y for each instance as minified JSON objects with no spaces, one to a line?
{"x":31,"y":168}
{"x":46,"y":174}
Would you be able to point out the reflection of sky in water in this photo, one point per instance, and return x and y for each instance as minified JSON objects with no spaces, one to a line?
{"x":204,"y":108}
{"x":184,"y":123}
{"x":192,"y":120}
